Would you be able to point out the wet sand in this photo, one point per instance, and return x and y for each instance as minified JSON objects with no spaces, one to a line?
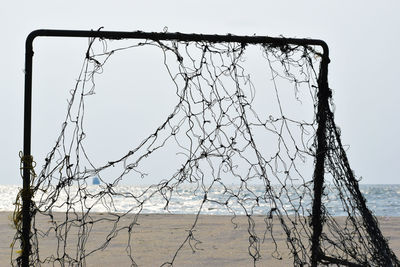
{"x":155,"y":239}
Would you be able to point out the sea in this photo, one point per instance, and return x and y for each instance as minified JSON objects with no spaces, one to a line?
{"x":382,"y":200}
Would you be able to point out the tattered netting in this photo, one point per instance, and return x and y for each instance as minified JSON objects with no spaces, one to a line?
{"x":244,"y":117}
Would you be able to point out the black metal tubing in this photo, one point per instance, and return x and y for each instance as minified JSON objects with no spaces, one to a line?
{"x":177,"y":36}
{"x":324,"y":94}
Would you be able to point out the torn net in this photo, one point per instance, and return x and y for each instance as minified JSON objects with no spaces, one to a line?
{"x":242,"y":139}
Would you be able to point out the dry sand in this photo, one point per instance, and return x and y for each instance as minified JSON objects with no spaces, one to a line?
{"x":157,"y":237}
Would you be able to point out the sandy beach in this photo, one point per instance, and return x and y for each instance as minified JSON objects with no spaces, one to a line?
{"x":156,"y":238}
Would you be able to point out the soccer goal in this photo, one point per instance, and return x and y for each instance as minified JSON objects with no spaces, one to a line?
{"x":191,"y":126}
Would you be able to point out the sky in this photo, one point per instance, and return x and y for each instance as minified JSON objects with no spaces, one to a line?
{"x":363,"y":38}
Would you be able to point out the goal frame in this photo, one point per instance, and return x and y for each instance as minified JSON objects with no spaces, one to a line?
{"x":324,"y":93}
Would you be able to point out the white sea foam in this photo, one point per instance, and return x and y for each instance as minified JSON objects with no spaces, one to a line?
{"x":8,"y":195}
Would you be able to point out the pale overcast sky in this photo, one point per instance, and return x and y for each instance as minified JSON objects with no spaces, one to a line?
{"x":363,"y":37}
